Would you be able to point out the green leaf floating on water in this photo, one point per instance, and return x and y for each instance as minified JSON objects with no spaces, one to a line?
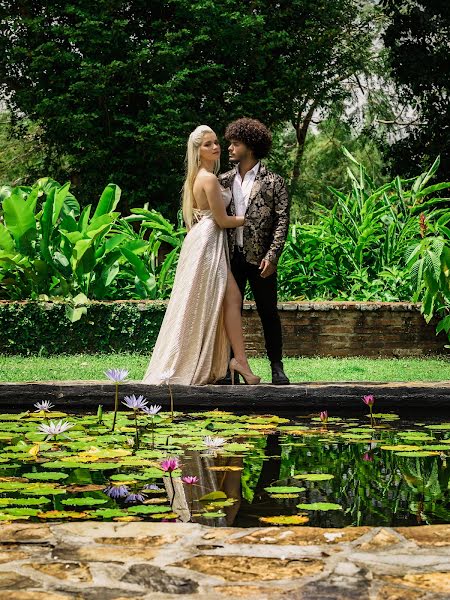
{"x":84,"y":501}
{"x":19,"y":512}
{"x":386,"y":416}
{"x":95,"y":466}
{"x":213,"y":515}
{"x":415,"y":435}
{"x":320,"y":506}
{"x":442,"y":426}
{"x":314,"y":476}
{"x":285,"y":520}
{"x":148,"y":509}
{"x":42,"y":490}
{"x":47,"y":476}
{"x":24,"y":501}
{"x":418,"y":453}
{"x":284,"y":489}
{"x":109,"y":513}
{"x":402,"y":448}
{"x":213,"y":496}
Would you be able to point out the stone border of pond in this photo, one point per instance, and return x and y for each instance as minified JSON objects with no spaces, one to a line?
{"x":114,"y":561}
{"x":404,"y":398}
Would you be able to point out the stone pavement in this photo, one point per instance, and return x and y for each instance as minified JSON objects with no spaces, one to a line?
{"x":162,"y":561}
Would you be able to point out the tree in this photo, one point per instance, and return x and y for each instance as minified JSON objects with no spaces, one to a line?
{"x":117,"y":86}
{"x":417,"y":39}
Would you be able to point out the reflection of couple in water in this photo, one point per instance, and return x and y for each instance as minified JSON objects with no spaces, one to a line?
{"x":214,"y":472}
{"x":237,"y":224}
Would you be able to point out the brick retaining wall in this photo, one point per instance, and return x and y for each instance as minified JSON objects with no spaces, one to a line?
{"x":309,"y":328}
{"x":349,"y":329}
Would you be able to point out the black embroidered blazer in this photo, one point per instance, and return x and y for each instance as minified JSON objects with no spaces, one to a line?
{"x":266,"y":222}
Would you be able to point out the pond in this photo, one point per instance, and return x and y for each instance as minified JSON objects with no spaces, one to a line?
{"x":222,"y":469}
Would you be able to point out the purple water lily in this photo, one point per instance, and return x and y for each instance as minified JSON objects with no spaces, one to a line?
{"x":324,"y":416}
{"x":135,"y":402}
{"x":151,"y":411}
{"x":134,"y":497}
{"x":116,"y":375}
{"x":116,"y":491}
{"x":151,"y":487}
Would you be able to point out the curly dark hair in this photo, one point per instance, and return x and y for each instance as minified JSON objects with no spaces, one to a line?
{"x":252,"y":133}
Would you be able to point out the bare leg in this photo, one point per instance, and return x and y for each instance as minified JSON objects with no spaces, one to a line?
{"x":233,"y":320}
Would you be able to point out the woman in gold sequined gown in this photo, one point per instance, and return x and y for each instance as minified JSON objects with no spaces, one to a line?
{"x":203,"y":316}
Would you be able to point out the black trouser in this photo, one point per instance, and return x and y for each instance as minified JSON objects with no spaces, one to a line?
{"x":265,"y":293}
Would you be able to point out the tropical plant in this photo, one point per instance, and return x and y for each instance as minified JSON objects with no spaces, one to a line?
{"x":49,"y":249}
{"x":360,"y":249}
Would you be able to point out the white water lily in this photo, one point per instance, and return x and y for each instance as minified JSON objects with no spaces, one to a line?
{"x":213,"y":442}
{"x":166,"y":376}
{"x":152,"y":410}
{"x":53,"y":429}
{"x":45,"y":405}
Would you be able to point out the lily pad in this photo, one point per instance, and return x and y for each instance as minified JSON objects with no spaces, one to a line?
{"x":63,"y":514}
{"x":284,"y":489}
{"x":84,"y":501}
{"x":285,"y":520}
{"x":225,"y":468}
{"x":320,"y":506}
{"x":418,"y":453}
{"x":109,"y":513}
{"x":47,"y":476}
{"x":314,"y":476}
{"x":20,"y":512}
{"x":149,"y":509}
{"x":24,"y":501}
{"x":217,"y":495}
{"x":402,"y":448}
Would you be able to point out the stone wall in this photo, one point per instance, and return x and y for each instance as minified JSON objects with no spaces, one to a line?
{"x":348,"y":329}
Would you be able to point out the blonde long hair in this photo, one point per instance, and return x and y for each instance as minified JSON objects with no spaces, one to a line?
{"x":192,"y":163}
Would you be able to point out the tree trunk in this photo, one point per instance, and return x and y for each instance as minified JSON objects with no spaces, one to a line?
{"x":301,"y":132}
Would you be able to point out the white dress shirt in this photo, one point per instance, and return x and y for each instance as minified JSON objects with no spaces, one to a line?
{"x":241,"y":194}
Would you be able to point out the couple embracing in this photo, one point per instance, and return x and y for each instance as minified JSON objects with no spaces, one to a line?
{"x":237,"y":224}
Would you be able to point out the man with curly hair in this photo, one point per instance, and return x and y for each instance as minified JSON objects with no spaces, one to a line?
{"x":260,"y":196}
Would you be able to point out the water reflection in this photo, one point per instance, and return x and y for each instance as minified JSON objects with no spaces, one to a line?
{"x":216,"y":473}
{"x":373,"y":486}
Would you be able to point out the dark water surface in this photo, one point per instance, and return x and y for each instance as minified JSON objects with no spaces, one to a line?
{"x":350,"y":471}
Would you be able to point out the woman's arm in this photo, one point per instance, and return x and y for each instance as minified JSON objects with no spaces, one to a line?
{"x":214,"y":196}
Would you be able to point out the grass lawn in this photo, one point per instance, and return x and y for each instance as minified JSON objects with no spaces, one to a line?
{"x":85,"y":366}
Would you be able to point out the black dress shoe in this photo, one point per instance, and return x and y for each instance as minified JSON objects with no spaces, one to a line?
{"x":278,"y":374}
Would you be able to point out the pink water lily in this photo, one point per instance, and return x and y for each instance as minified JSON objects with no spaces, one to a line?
{"x":369,"y":400}
{"x":189,"y":479}
{"x":169,"y":465}
{"x":324,"y":416}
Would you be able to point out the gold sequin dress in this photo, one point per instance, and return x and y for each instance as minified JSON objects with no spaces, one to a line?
{"x":192,"y":346}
